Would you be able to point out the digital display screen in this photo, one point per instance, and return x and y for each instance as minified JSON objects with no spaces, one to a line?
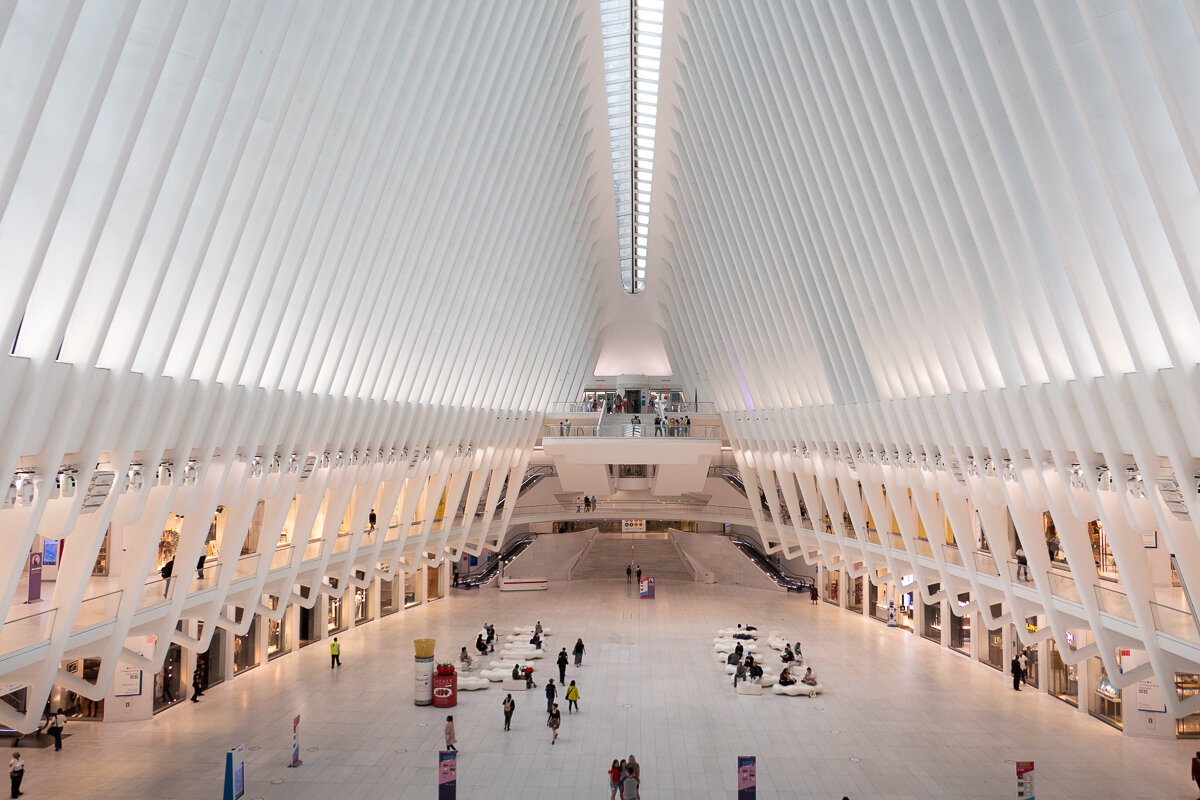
{"x":239,"y":780}
{"x":50,"y":552}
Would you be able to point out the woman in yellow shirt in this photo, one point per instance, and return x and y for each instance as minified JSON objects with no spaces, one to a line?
{"x":572,"y":698}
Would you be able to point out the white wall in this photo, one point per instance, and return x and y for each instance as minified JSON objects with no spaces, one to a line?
{"x":716,"y":554}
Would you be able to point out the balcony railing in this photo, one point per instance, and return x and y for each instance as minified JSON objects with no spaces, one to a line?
{"x":560,"y":430}
{"x":28,"y":631}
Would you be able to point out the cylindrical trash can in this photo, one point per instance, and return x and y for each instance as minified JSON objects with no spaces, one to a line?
{"x":445,"y":690}
{"x":423,"y":683}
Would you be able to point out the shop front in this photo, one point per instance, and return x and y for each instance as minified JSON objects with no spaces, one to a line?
{"x":336,"y":621}
{"x":856,"y":595}
{"x":878,"y":597}
{"x":433,"y":584}
{"x":906,"y":608}
{"x":245,"y":648}
{"x":389,"y":601}
{"x":993,"y":653}
{"x":211,"y":662}
{"x":76,"y":706}
{"x":1187,"y":685}
{"x":279,"y":639}
{"x":362,"y":606}
{"x":931,"y":626}
{"x":960,"y":625}
{"x":1104,"y":699}
{"x":830,"y":586}
{"x":1063,"y":677}
{"x":168,"y":682}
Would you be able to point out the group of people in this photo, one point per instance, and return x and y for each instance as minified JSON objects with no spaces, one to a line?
{"x":625,"y":776}
{"x":588,"y":504}
{"x":629,"y":572}
{"x":485,"y":642}
{"x":664,"y":426}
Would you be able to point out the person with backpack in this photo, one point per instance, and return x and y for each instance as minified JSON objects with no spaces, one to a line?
{"x":510,"y":706}
{"x":551,"y":694}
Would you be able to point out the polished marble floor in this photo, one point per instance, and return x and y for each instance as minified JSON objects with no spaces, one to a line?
{"x":901,"y":718}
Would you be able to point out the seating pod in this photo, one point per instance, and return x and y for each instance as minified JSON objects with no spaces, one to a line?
{"x":799,"y":688}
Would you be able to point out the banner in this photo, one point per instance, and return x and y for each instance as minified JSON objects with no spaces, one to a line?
{"x":35,"y":577}
{"x":447,"y":774}
{"x":633,"y":526}
{"x":296,"y":743}
{"x":1025,"y":780}
{"x":747,"y":778}
{"x":646,"y":589}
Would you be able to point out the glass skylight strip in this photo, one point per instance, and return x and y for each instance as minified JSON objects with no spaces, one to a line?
{"x":632,"y":42}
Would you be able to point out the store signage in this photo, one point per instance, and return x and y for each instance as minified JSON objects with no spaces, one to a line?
{"x":646,"y":589}
{"x":128,"y":682}
{"x":747,"y":778}
{"x":50,"y":553}
{"x":1025,"y":780}
{"x":35,"y":578}
{"x":633,"y":526}
{"x":1031,"y":627}
{"x":1150,"y":696}
{"x":296,"y":742}
{"x":447,"y":774}
{"x":235,"y":772}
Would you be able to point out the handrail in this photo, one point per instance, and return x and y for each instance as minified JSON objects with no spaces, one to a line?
{"x":776,"y":572}
{"x":506,"y":556}
{"x":646,"y":429}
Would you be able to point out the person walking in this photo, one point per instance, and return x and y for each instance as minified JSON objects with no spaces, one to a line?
{"x":197,"y":685}
{"x":1015,"y":668}
{"x":551,"y":694}
{"x":553,"y":721}
{"x":562,"y":666}
{"x":572,"y":698}
{"x":335,"y":654}
{"x":629,"y":574}
{"x":510,"y":706}
{"x":371,"y":519}
{"x":200,"y":565}
{"x":1022,"y":565}
{"x":812,"y":594}
{"x":587,"y":503}
{"x":16,"y":771}
{"x":579,"y":651}
{"x":451,"y":739}
{"x":57,"y":723}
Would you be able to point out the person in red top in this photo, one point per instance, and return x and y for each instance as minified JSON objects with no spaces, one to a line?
{"x":1196,"y":769}
{"x":614,"y":778}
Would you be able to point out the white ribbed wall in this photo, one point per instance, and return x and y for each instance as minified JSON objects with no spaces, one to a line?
{"x":949,"y":248}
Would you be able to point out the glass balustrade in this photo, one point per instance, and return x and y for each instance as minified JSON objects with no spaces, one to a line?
{"x":985,"y":564}
{"x":1114,"y":602}
{"x":97,"y":610}
{"x":312,"y":550}
{"x":282,"y":557}
{"x":26,"y":631}
{"x":1063,"y":586}
{"x":1175,"y":622}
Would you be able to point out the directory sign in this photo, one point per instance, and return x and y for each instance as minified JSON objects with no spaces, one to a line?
{"x":235,"y":772}
{"x":447,"y":774}
{"x":747,"y":778}
{"x":1025,"y":780}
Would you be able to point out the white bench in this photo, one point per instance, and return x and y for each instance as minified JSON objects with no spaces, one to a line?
{"x":799,"y":688}
{"x":509,"y":685}
{"x":471,"y":684}
{"x":749,"y":688}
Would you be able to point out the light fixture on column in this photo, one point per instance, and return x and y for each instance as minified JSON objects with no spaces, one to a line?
{"x":1009,"y":471}
{"x":165,"y":473}
{"x":1134,"y":482}
{"x":134,"y":480}
{"x":65,"y":482}
{"x":1103,"y":478}
{"x":190,"y":472}
{"x":256,"y":467}
{"x":1077,"y":481}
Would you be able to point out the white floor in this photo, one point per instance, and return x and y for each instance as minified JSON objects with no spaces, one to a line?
{"x":901,"y":718}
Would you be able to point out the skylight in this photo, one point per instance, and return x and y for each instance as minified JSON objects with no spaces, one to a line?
{"x":632,"y":38}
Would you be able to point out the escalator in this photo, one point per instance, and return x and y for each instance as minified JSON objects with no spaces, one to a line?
{"x":532,"y":476}
{"x":782,"y":577}
{"x":484,"y":574}
{"x":731,"y":476}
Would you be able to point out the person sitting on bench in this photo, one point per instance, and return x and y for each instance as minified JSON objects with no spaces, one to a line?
{"x":517,"y":674}
{"x":739,"y":650}
{"x":809,"y":678}
{"x":733,"y":659}
{"x":785,"y":678}
{"x":756,"y":672}
{"x":740,"y":675}
{"x":465,"y":658}
{"x":536,"y":641}
{"x":481,"y":645}
{"x":788,"y":656}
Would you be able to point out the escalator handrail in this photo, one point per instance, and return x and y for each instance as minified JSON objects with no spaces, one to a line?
{"x":777,"y":573}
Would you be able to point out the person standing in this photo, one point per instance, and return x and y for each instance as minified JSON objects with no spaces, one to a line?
{"x":553,"y":721}
{"x":335,"y":654}
{"x":1022,"y":565}
{"x":614,"y":779}
{"x":572,"y":698}
{"x":200,"y":565}
{"x":167,"y":570}
{"x":629,"y":574}
{"x":510,"y":706}
{"x":197,"y":685}
{"x":451,"y":739}
{"x":1023,"y":658}
{"x":57,"y":723}
{"x":639,"y":574}
{"x":16,"y":771}
{"x":579,"y":651}
{"x":812,"y":594}
{"x":1196,"y":769}
{"x":1015,"y":668}
{"x":630,"y":784}
{"x":371,"y":518}
{"x":562,"y":666}
{"x":551,"y":694}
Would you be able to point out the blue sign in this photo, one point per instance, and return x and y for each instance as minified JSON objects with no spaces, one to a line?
{"x":235,"y":772}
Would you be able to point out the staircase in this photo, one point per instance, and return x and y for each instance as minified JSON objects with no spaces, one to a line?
{"x":608,"y":556}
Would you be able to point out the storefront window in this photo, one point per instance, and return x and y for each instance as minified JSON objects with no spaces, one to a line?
{"x":433,"y":584}
{"x":279,"y":640}
{"x":362,"y":606}
{"x":1053,"y":545}
{"x":309,"y":632}
{"x":211,"y":662}
{"x":993,"y":654}
{"x":245,"y":648}
{"x":1106,"y":565}
{"x":856,"y":597}
{"x":167,"y":682}
{"x":831,"y":586}
{"x":1187,"y":685}
{"x":878,"y":602}
{"x":411,"y":595}
{"x":1104,"y":699}
{"x":932,"y":627}
{"x":960,"y":626}
{"x":337,"y":612}
{"x":1064,"y":678}
{"x":76,"y":706}
{"x":101,"y":565}
{"x":904,"y":611}
{"x":388,"y":601}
